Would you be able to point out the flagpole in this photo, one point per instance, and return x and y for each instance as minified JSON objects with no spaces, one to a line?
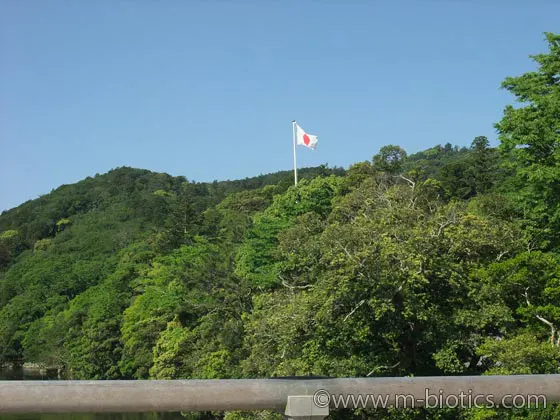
{"x":295,"y":163}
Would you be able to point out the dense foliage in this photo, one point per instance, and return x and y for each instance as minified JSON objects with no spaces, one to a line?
{"x":445,"y":262}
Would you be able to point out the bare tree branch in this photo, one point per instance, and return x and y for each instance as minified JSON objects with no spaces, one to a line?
{"x":378,"y":368}
{"x":553,"y":340}
{"x":354,"y":310}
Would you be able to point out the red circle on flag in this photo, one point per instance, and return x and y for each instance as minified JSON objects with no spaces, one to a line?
{"x":306,"y":139}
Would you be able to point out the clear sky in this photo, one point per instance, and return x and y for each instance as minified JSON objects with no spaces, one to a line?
{"x":208,"y":89}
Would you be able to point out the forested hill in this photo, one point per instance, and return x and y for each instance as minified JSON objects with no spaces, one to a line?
{"x":137,"y":190}
{"x":445,"y":262}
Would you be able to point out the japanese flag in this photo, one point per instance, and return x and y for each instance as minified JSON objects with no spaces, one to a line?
{"x":304,"y":139}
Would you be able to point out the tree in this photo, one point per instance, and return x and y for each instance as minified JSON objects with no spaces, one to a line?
{"x":183,"y":222}
{"x":10,"y":245}
{"x":389,"y":159}
{"x":257,"y":261}
{"x":483,"y":165}
{"x":530,"y":137}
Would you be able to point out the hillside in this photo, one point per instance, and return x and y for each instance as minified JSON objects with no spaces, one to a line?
{"x":445,"y":262}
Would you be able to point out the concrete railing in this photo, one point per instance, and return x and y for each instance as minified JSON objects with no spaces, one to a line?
{"x":298,"y":398}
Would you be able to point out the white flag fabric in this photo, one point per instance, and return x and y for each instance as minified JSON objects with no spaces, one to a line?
{"x":304,"y":139}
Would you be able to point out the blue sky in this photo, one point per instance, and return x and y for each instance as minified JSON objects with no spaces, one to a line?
{"x":208,"y":89}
